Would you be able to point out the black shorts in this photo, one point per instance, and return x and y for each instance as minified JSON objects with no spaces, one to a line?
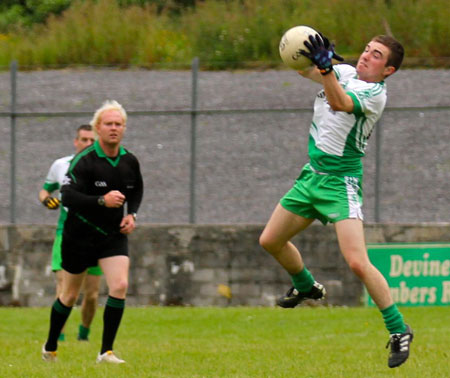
{"x":78,"y":254}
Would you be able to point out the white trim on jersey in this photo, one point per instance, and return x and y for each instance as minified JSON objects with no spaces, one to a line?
{"x":58,"y":170}
{"x":332,"y":130}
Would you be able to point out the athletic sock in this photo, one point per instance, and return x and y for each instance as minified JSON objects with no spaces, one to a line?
{"x":58,"y":318}
{"x":303,"y":281}
{"x":111,"y":320}
{"x":393,"y":319}
{"x":62,"y":337}
{"x":83,"y":332}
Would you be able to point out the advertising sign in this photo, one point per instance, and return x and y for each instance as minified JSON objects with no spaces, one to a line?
{"x":418,"y":274}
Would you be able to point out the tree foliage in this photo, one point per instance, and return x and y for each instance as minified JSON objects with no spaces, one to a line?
{"x":25,"y":13}
{"x":222,"y":33}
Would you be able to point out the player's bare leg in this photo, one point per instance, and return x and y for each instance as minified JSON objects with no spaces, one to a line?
{"x":91,"y":286}
{"x":59,"y":286}
{"x":72,"y":284}
{"x":60,"y":312}
{"x":275,"y":239}
{"x":115,"y":269}
{"x":350,"y":235}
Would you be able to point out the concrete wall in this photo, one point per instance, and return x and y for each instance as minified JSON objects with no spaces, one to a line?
{"x":245,"y":161}
{"x":185,"y":264}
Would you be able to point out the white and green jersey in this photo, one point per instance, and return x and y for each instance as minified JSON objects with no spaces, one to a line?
{"x":54,"y":181}
{"x":337,"y":140}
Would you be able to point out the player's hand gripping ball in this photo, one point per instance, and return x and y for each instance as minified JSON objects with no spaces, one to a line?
{"x":321,"y":52}
{"x":302,"y":46}
{"x":51,"y":203}
{"x":292,"y":45}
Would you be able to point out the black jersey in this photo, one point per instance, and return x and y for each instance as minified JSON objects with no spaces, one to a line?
{"x":92,"y":174}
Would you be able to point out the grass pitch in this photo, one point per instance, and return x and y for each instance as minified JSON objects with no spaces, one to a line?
{"x":229,"y":342}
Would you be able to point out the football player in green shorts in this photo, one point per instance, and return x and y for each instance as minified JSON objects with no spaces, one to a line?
{"x":53,"y":182}
{"x":329,"y":187}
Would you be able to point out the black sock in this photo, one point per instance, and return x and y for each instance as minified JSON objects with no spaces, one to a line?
{"x":58,"y":318}
{"x":111,"y":320}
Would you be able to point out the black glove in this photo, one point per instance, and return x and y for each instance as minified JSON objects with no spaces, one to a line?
{"x":321,"y":52}
{"x":51,"y":203}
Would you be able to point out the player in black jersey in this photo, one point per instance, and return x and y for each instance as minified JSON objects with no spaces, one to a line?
{"x":102,"y":190}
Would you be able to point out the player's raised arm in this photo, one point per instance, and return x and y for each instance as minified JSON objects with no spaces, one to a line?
{"x":321,"y":53}
{"x":311,"y":73}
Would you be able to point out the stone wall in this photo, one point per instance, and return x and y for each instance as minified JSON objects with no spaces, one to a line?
{"x":185,"y":264}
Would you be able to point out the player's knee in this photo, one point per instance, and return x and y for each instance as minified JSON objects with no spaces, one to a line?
{"x":262,"y":241}
{"x":358,"y":267}
{"x":119,"y":288}
{"x":268,"y":243}
{"x":91,"y":296}
{"x":68,"y":298}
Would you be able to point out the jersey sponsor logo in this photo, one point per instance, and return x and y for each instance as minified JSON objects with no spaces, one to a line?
{"x":100,"y":184}
{"x":321,"y":94}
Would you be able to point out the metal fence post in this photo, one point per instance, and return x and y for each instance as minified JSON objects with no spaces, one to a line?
{"x":193,"y":165}
{"x":378,"y":139}
{"x":12,"y":211}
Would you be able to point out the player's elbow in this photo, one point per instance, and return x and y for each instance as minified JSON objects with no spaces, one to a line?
{"x":335,"y":106}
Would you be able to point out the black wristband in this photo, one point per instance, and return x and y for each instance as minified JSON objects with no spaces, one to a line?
{"x":326,"y":71}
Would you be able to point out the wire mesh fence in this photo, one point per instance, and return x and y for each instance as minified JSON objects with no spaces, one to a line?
{"x":216,"y":147}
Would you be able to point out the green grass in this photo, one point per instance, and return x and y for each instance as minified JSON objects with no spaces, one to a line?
{"x":229,"y":342}
{"x":223,"y":34}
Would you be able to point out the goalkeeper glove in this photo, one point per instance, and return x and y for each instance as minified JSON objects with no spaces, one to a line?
{"x":51,"y":203}
{"x":321,"y":52}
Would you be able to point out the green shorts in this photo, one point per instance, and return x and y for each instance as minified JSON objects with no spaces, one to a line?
{"x":325,"y":197}
{"x":57,"y":259}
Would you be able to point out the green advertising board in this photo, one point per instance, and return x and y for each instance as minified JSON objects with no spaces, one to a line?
{"x":418,"y":274}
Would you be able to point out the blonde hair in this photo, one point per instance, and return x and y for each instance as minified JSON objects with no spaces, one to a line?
{"x":107,"y":105}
